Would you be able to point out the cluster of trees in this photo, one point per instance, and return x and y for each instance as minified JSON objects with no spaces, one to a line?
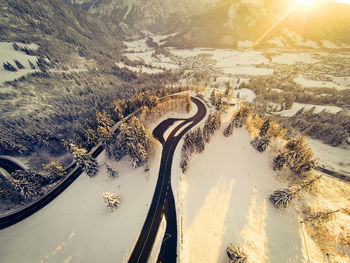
{"x":23,"y":185}
{"x":8,"y":66}
{"x":131,"y":139}
{"x":236,"y":254}
{"x":262,"y":141}
{"x":332,"y":129}
{"x":195,"y":141}
{"x":238,"y":119}
{"x":267,"y":88}
{"x":216,"y":99}
{"x":24,"y":49}
{"x":282,"y":198}
{"x":297,"y":156}
{"x":70,"y":117}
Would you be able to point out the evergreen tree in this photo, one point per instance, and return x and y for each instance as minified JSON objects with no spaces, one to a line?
{"x":321,"y":216}
{"x":261,"y":143}
{"x":199,"y":140}
{"x":86,"y":162}
{"x":228,"y":90}
{"x":229,"y":130}
{"x":112,"y":201}
{"x":110,"y":171}
{"x":19,"y":64}
{"x":188,"y":104}
{"x":15,"y":46}
{"x":8,"y":66}
{"x":282,"y":198}
{"x":184,"y":162}
{"x":279,"y":162}
{"x":236,"y":254}
{"x":31,"y":64}
{"x":55,"y":170}
{"x":212,"y":98}
{"x":265,"y":127}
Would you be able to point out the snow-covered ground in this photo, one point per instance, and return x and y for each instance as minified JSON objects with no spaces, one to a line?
{"x":246,"y":95}
{"x":318,"y":108}
{"x":77,"y":227}
{"x":223,"y":199}
{"x":292,"y":58}
{"x":338,"y":83}
{"x":9,"y":54}
{"x":333,"y":158}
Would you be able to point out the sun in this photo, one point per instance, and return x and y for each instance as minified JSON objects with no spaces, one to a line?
{"x":306,"y":2}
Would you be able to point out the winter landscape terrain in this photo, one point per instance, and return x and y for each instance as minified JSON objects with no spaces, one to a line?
{"x":175,"y":131}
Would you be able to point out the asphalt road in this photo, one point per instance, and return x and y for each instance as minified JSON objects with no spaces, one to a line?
{"x":163,"y":199}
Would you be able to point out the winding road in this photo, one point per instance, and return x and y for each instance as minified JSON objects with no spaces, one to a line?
{"x":163,"y":202}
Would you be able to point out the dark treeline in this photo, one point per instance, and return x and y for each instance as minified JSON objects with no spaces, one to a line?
{"x":332,"y":129}
{"x":263,"y":87}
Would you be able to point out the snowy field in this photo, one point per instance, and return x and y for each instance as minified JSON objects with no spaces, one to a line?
{"x":228,"y":203}
{"x":77,"y":227}
{"x":318,"y":108}
{"x":9,"y":54}
{"x":339,"y":83}
{"x":333,"y":158}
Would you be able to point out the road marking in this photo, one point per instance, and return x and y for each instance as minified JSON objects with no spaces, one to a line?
{"x":166,"y":237}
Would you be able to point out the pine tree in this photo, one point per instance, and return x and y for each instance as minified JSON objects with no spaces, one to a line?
{"x":31,"y":64}
{"x":299,"y":156}
{"x":236,"y":254}
{"x":55,"y":170}
{"x":104,"y":120}
{"x":112,"y":201}
{"x":91,"y":137}
{"x":212,"y":98}
{"x":228,"y":90}
{"x":86,"y":162}
{"x":282,"y":198}
{"x":110,"y":171}
{"x":8,"y":66}
{"x":229,"y":130}
{"x":261,"y":143}
{"x":19,"y":64}
{"x":322,"y":216}
{"x":184,"y":162}
{"x":15,"y":46}
{"x":265,"y":127}
{"x":279,"y":162}
{"x":219,"y":103}
{"x":199,"y":140}
{"x":188,"y":103}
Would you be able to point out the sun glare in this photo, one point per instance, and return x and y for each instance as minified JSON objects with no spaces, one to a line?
{"x":306,"y":2}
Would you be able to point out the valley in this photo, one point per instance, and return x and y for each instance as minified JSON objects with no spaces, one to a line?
{"x":175,"y":131}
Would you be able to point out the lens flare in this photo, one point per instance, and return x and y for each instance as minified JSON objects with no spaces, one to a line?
{"x":305,"y":2}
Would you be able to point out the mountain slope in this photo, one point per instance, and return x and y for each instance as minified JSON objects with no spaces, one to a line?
{"x":229,"y":21}
{"x":154,"y":15}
